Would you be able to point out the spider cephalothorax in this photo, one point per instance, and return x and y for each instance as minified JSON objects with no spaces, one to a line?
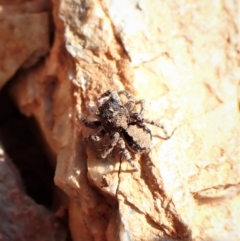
{"x":124,"y":125}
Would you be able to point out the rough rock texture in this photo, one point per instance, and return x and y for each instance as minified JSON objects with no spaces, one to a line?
{"x":21,"y":218}
{"x":24,"y":36}
{"x":183,"y":58}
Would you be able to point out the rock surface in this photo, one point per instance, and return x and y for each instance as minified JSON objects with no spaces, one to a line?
{"x":21,"y":218}
{"x":183,"y":59}
{"x":22,"y":26}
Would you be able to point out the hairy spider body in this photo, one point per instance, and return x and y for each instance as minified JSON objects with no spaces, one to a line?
{"x":124,"y":125}
{"x":133,"y":136}
{"x":114,"y":117}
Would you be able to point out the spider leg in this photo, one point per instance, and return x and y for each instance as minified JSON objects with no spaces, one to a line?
{"x":91,"y":124}
{"x":111,"y":93}
{"x":107,"y":93}
{"x":125,"y":153}
{"x":114,"y":140}
{"x":131,"y":102}
{"x":158,"y":125}
{"x":140,"y":121}
{"x":95,"y":137}
{"x":145,"y":128}
{"x":142,"y":103}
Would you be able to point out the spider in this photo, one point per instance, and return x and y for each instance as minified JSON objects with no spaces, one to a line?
{"x":124,"y":125}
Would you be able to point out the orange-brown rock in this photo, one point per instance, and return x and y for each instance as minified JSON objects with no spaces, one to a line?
{"x":183,"y":59}
{"x":24,"y":35}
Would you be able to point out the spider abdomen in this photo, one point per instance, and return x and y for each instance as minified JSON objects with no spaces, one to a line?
{"x":137,"y":138}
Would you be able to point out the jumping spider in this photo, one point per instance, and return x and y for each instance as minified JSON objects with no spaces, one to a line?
{"x":123,"y":124}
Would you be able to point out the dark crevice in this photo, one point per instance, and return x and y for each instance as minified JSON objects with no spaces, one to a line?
{"x":21,"y":140}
